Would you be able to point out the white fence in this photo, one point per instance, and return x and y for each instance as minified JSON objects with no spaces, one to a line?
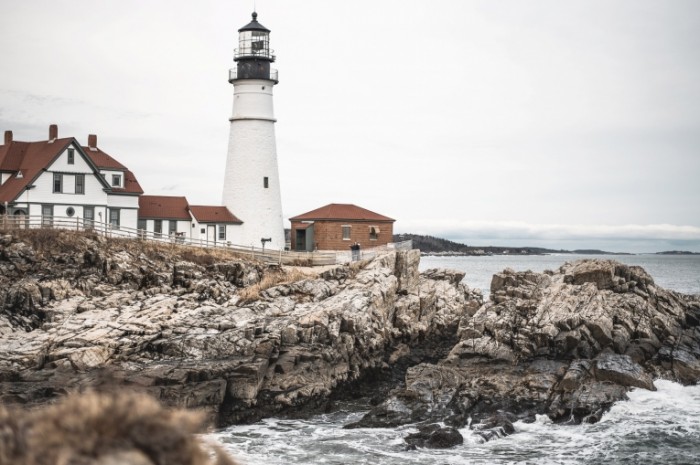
{"x":282,"y":257}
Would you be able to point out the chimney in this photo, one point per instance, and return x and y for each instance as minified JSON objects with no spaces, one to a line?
{"x":92,"y":141}
{"x":8,"y":137}
{"x":53,"y":132}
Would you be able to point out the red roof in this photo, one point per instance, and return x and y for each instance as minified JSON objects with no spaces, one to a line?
{"x":163,"y":207}
{"x":31,"y":158}
{"x":341,"y":211}
{"x":106,"y":162}
{"x":213,"y":214}
{"x":102,"y":160}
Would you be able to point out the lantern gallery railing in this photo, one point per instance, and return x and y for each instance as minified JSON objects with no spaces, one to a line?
{"x":252,"y":52}
{"x":233,"y":75}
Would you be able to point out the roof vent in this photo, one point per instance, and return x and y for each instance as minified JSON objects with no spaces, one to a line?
{"x":53,"y":132}
{"x":8,"y":137}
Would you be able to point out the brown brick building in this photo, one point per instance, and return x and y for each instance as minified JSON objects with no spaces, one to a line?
{"x":337,"y":226}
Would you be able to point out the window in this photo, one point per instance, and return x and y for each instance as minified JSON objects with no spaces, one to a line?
{"x":172,"y":227}
{"x":70,"y":211}
{"x":57,"y":182}
{"x":222,"y":231}
{"x":116,"y":180}
{"x":71,"y":156}
{"x":266,"y":182}
{"x":202,"y":231}
{"x":79,"y":183}
{"x":346,"y":233}
{"x":373,"y":233}
{"x":114,"y":218}
{"x":157,"y":227}
{"x":46,"y":215}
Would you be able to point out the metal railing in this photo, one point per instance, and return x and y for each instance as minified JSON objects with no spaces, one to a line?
{"x":233,"y":75}
{"x":249,"y":52}
{"x":281,"y":257}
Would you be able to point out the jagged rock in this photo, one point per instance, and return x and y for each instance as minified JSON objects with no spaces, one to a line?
{"x":434,"y":437}
{"x":622,"y":370}
{"x":567,"y":344}
{"x":148,"y":318}
{"x":495,"y":426}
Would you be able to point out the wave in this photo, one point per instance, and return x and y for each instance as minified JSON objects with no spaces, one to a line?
{"x":661,"y":426}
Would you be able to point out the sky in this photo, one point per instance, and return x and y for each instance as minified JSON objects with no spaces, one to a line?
{"x":562,"y":124}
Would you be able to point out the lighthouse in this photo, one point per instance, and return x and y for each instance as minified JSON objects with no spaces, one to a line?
{"x":251,"y":182}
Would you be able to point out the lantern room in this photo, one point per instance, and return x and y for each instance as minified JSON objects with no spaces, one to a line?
{"x":254,"y":42}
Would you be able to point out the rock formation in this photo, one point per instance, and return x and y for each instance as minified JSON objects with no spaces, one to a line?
{"x":86,"y":311}
{"x":565,"y":344}
{"x":240,"y":341}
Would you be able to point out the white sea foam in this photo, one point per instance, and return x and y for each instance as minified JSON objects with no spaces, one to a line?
{"x":660,"y":426}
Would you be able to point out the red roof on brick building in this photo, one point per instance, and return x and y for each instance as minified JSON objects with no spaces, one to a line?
{"x":213,"y":214}
{"x":163,"y":207}
{"x":341,"y":211}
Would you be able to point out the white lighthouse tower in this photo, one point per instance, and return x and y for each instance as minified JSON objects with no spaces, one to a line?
{"x":251,"y":182}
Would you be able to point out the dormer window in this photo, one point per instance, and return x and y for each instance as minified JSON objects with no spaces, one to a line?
{"x":116,"y":180}
{"x":71,"y":156}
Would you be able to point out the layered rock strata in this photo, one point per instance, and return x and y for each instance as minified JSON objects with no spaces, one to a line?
{"x":84,"y":311}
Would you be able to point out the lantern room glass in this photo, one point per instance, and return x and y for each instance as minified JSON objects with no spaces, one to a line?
{"x":254,"y":43}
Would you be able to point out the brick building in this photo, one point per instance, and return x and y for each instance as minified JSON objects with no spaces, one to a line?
{"x":338,"y":226}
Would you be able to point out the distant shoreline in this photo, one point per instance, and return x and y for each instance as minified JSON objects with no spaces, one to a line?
{"x":436,"y":246}
{"x":525,"y":254}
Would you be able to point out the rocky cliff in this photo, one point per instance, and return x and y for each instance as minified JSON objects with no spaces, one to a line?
{"x":204,"y":331}
{"x":566,"y":344}
{"x":240,"y":340}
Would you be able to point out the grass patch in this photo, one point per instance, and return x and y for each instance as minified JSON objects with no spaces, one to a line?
{"x":271,"y":279}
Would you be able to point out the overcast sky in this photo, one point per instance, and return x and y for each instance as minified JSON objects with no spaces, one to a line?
{"x":572,"y":124}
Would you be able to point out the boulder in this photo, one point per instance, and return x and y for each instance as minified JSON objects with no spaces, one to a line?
{"x":434,"y":437}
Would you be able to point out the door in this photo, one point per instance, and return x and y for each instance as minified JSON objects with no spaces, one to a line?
{"x":141,"y":226}
{"x":20,"y":219}
{"x":46,"y":216}
{"x":89,"y":217}
{"x":300,"y":240}
{"x":211,"y":233}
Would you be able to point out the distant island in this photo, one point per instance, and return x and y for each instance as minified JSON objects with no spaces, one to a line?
{"x":430,"y":245}
{"x":677,"y":252}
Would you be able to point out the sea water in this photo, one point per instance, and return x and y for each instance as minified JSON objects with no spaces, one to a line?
{"x":677,"y":272}
{"x":652,"y":427}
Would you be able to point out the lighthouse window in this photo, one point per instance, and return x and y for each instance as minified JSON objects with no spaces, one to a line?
{"x":266,"y":182}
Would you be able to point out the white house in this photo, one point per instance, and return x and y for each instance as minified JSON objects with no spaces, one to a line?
{"x":215,"y":224}
{"x":173,"y":218}
{"x":60,"y":181}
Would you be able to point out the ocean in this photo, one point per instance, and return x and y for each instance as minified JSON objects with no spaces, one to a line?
{"x":677,"y":272}
{"x":660,"y":427}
